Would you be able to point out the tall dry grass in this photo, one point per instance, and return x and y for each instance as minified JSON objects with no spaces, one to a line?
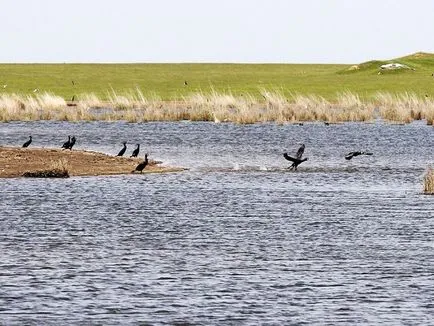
{"x":405,"y":107}
{"x":276,"y":106}
{"x":43,"y":106}
{"x":428,"y":182}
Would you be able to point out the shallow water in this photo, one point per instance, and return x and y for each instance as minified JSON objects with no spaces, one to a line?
{"x":237,"y":239}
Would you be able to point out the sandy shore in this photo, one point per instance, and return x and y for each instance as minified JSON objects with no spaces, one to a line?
{"x":15,"y":161}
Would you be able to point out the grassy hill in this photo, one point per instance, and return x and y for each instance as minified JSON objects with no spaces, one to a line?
{"x":167,"y":80}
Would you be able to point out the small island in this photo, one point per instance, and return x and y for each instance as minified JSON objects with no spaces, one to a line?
{"x":49,"y":162}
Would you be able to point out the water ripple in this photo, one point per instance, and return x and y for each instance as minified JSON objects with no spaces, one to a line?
{"x":237,"y":239}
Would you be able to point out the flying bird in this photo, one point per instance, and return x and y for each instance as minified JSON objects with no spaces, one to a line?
{"x":122,"y":151}
{"x":350,"y":155}
{"x":295,"y":161}
{"x":27,"y":143}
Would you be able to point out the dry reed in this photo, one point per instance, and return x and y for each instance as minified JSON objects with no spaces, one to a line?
{"x":405,"y":107}
{"x":272,"y":106}
{"x":428,"y":182}
{"x":58,"y":169}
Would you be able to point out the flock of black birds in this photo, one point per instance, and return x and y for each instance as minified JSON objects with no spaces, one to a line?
{"x":71,"y":142}
{"x":135,"y":153}
{"x":296,"y":161}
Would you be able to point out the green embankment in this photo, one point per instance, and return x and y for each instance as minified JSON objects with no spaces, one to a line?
{"x":167,"y":80}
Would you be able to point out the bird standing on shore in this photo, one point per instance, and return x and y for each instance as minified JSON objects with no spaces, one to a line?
{"x":72,"y":143}
{"x":66,"y":144}
{"x":141,"y":165}
{"x":122,"y":151}
{"x":136,"y":151}
{"x":27,"y":143}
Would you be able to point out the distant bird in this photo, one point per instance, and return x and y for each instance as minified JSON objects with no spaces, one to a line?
{"x":36,"y":90}
{"x":122,"y":151}
{"x":136,"y":151}
{"x":5,"y":85}
{"x":300,"y":152}
{"x":326,"y":123}
{"x":142,"y":165}
{"x":66,"y":144}
{"x":350,"y":155}
{"x":27,"y":143}
{"x":295,"y":161}
{"x":72,"y":143}
{"x":185,"y":83}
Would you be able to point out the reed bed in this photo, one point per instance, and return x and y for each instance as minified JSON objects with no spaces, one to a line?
{"x":428,"y":182}
{"x":405,"y":107}
{"x":267,"y":106}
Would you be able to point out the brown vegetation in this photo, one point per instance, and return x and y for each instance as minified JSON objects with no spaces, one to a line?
{"x":47,"y":162}
{"x":428,"y":182}
{"x":276,"y":106}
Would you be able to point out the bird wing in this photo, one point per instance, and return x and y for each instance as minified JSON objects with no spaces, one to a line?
{"x":300,"y":152}
{"x":289,"y":158}
{"x":348,"y":156}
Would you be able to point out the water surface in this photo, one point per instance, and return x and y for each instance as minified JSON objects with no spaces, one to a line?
{"x":237,"y":239}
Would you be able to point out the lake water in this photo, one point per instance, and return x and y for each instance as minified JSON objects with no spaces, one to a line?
{"x":236,"y":239}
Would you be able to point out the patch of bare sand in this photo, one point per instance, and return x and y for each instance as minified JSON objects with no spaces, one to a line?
{"x":15,"y":161}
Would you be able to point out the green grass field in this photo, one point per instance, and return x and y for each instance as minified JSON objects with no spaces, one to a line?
{"x":167,"y":80}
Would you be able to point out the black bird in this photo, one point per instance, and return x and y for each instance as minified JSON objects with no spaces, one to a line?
{"x":72,"y":143}
{"x":66,"y":144}
{"x":295,"y":161}
{"x":350,"y":155}
{"x":142,"y":165}
{"x":185,"y":83}
{"x":300,"y":152}
{"x":136,"y":151}
{"x":122,"y":151}
{"x":27,"y":143}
